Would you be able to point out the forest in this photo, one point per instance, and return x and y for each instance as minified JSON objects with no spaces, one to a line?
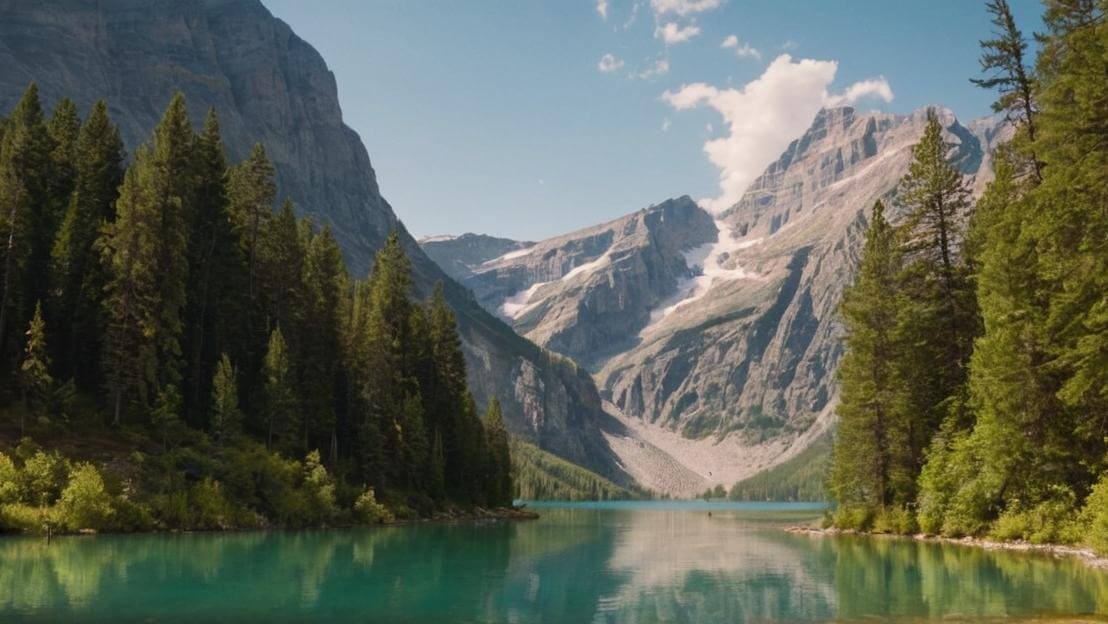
{"x":176,"y":353}
{"x":974,"y":389}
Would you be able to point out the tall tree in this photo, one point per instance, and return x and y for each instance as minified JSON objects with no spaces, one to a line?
{"x":226,"y":416}
{"x":252,"y":191}
{"x":499,"y":458}
{"x":34,"y":371}
{"x":78,"y":276}
{"x":280,"y":400}
{"x":871,"y":460}
{"x":1006,"y":71}
{"x":26,"y":167}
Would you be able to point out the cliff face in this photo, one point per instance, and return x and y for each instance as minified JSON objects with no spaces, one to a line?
{"x":715,"y":338}
{"x":272,"y":87}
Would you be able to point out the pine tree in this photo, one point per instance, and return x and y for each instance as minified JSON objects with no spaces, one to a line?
{"x":226,"y":416}
{"x":445,"y":390}
{"x":130,"y":305}
{"x":872,"y":453}
{"x":499,"y":460}
{"x":214,"y":318}
{"x":280,"y":401}
{"x":34,"y":371}
{"x":943,"y":320}
{"x":252,"y":191}
{"x":78,"y":276}
{"x":25,"y":199}
{"x":436,"y":486}
{"x":1002,"y":62}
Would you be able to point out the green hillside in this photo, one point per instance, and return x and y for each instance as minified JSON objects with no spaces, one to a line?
{"x":799,"y":479}
{"x":539,"y":475}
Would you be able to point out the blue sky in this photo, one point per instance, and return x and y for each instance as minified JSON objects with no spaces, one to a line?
{"x":508,"y":117}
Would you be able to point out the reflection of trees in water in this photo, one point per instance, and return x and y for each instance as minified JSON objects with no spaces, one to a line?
{"x":898,"y":577}
{"x":571,"y":566}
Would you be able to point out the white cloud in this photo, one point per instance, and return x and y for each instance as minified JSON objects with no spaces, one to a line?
{"x":745,"y":50}
{"x":683,"y":7}
{"x":609,"y":63}
{"x":672,"y":34}
{"x":765,"y":115}
{"x":659,"y":68}
{"x":665,"y":124}
{"x":602,"y":9}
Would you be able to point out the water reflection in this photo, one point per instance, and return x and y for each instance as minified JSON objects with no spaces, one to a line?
{"x":597,"y":566}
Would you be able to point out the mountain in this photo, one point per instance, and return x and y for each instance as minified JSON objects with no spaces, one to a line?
{"x":461,"y":255}
{"x":272,"y":87}
{"x":714,"y":337}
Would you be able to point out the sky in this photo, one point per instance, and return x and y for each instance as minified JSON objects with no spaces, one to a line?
{"x":528,"y":119}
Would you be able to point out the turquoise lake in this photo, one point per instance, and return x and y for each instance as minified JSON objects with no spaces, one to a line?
{"x":589,"y":563}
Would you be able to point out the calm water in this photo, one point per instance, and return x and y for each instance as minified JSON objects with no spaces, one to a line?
{"x":624,"y":562}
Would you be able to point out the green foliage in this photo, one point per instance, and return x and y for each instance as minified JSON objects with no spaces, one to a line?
{"x":895,"y":520}
{"x":499,"y":457}
{"x":539,"y":475}
{"x":369,"y":511}
{"x":1094,"y":516}
{"x":801,"y":478}
{"x":1051,"y":521}
{"x":85,"y":503}
{"x":34,"y":371}
{"x":9,"y":484}
{"x":42,"y":478}
{"x":226,"y":416}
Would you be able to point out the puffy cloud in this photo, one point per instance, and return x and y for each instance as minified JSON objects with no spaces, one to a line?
{"x":742,"y":51}
{"x":609,"y":63}
{"x":765,"y":115}
{"x":683,"y":7}
{"x":672,"y":34}
{"x":602,"y":9}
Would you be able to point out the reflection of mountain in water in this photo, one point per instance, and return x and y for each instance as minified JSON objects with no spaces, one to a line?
{"x":627,"y":566}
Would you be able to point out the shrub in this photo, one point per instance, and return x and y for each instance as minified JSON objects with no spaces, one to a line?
{"x":211,"y":509}
{"x":9,"y":486}
{"x":897,"y":520}
{"x":1053,"y":521}
{"x":857,"y":518}
{"x":27,"y":519}
{"x":1094,"y":516}
{"x":85,"y":503}
{"x":319,"y":488}
{"x":42,"y":478}
{"x":369,"y":510}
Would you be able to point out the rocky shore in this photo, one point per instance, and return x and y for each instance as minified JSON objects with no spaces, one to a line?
{"x":1087,"y":555}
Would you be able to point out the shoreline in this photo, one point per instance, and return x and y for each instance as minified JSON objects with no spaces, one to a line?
{"x":478,"y":514}
{"x":1083,"y":553}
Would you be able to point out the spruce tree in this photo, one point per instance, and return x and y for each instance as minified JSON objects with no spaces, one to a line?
{"x":252,"y":191}
{"x":280,"y":400}
{"x":872,"y":453}
{"x":499,"y":457}
{"x":78,"y":277}
{"x":34,"y":370}
{"x":26,"y":169}
{"x":226,"y":417}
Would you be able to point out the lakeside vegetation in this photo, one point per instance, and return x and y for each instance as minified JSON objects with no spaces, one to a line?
{"x":205,"y":361}
{"x":800,"y":479}
{"x":975,"y":383}
{"x":539,"y":475}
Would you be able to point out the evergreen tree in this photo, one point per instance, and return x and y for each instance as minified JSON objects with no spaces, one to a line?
{"x":214,"y":319}
{"x":252,"y":191}
{"x":280,"y":401}
{"x":500,"y":486}
{"x":130,"y":305}
{"x":226,"y":416}
{"x":942,"y":320}
{"x":871,"y":459}
{"x":436,"y":486}
{"x":1002,"y":62}
{"x":34,"y":371}
{"x":26,"y":169}
{"x":445,"y":390}
{"x":78,"y":276}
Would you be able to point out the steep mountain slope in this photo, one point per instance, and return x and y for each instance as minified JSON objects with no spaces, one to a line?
{"x":723,"y":364}
{"x":271,"y":86}
{"x":461,"y":255}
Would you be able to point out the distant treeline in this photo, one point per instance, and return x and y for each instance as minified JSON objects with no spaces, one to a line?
{"x":800,"y":479}
{"x":164,"y":295}
{"x":540,"y":475}
{"x":975,"y":383}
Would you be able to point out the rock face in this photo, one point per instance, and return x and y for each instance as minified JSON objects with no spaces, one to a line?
{"x":715,"y":337}
{"x":461,"y":255}
{"x":272,"y":87}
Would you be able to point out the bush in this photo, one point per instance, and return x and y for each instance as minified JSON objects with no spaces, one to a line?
{"x":319,"y":488}
{"x":27,"y":519}
{"x":85,"y":503}
{"x":857,"y":518}
{"x":211,"y":508}
{"x":369,"y":510}
{"x":896,"y":520}
{"x":42,"y":478}
{"x":9,"y":486}
{"x":1053,"y":521}
{"x":1094,"y":517}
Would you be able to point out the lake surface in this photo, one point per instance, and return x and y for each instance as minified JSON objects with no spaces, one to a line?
{"x":588,"y":563}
